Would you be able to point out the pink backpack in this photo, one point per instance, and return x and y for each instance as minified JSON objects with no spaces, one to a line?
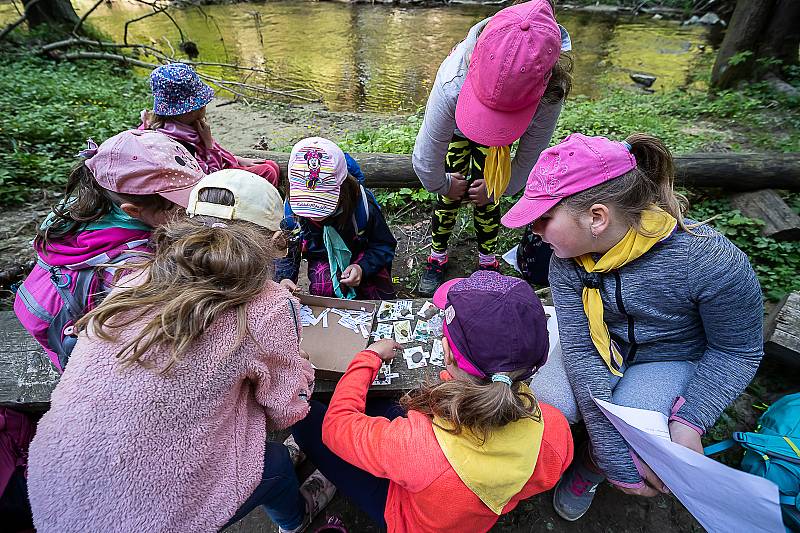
{"x":16,"y":433}
{"x":53,"y":298}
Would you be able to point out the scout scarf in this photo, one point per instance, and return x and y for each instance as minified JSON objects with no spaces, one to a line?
{"x":496,"y":469}
{"x":656,"y":225}
{"x":339,"y":259}
{"x":497,"y":171}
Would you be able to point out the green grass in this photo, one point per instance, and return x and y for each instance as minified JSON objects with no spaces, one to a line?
{"x":49,"y":109}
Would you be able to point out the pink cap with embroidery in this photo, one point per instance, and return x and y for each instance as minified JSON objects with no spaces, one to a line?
{"x":144,"y":162}
{"x":317,"y":169}
{"x":508,"y":73}
{"x":575,"y":164}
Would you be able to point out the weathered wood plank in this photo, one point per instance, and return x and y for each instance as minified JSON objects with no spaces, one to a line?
{"x":782,"y":330}
{"x":780,"y":221}
{"x":733,"y":172}
{"x":27,"y":378}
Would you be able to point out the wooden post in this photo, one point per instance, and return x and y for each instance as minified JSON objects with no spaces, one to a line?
{"x":780,"y":221}
{"x":782,"y":330}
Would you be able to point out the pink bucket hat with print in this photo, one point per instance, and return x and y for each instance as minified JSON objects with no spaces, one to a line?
{"x":575,"y":164}
{"x":508,"y":73}
{"x":317,"y":169}
{"x":144,"y":162}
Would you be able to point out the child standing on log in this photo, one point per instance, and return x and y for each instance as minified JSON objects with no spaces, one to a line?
{"x":468,"y":448}
{"x":339,"y":225}
{"x":160,"y":421}
{"x":654,"y":311}
{"x":505,"y":82}
{"x":131,"y":183}
{"x":180,"y":98}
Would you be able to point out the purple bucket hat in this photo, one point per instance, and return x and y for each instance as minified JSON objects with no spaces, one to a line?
{"x":177,"y":89}
{"x":493,"y":323}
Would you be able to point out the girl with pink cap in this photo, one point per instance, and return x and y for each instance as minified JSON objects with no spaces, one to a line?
{"x":654,"y":311}
{"x":133,"y":182}
{"x":505,"y":82}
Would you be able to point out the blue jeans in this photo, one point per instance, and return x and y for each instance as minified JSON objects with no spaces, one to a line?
{"x":278,"y":492}
{"x":368,"y":492}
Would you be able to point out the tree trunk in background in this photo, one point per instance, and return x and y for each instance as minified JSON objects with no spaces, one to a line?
{"x":782,"y":36}
{"x":52,"y":12}
{"x":745,"y":32}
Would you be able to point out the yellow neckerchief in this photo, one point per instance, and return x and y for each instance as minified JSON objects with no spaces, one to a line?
{"x":656,"y":225}
{"x":497,"y":469}
{"x":497,"y":171}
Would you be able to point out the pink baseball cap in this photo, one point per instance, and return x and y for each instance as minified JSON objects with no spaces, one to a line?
{"x":144,"y":162}
{"x":575,"y":164}
{"x":317,"y":169}
{"x":508,"y":73}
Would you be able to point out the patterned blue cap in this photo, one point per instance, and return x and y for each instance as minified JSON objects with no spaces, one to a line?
{"x":177,"y":89}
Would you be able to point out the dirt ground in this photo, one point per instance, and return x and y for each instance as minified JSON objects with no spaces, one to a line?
{"x":239,"y":128}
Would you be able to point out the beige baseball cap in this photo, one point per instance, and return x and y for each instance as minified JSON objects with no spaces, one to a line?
{"x":255,"y":199}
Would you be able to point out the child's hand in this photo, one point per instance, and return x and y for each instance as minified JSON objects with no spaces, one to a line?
{"x":247,"y":161}
{"x":204,"y":130}
{"x":685,"y":436}
{"x":477,"y":193}
{"x":653,"y":486}
{"x":458,"y":186}
{"x":385,"y":348}
{"x":352,"y":275}
{"x":288,"y":284}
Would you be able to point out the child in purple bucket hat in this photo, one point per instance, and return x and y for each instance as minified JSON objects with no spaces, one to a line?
{"x":506,"y":81}
{"x":654,"y":311}
{"x":458,"y":452}
{"x":180,"y":98}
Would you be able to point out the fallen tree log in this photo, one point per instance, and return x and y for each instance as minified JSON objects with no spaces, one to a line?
{"x":732,"y":172}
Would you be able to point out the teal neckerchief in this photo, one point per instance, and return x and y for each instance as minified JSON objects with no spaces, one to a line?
{"x":339,"y":259}
{"x":116,"y":218}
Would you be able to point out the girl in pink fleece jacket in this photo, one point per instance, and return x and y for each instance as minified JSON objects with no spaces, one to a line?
{"x":160,"y":421}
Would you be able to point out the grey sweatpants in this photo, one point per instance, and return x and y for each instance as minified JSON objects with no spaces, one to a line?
{"x":652,"y":386}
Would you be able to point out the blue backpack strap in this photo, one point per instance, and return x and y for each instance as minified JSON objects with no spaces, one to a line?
{"x":719,"y":447}
{"x":289,"y":222}
{"x":354,"y":169}
{"x":361,"y":212}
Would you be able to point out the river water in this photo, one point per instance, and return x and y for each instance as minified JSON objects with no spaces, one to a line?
{"x":361,"y":57}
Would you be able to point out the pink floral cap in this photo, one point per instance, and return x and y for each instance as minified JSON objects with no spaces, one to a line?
{"x":317,"y":169}
{"x":575,"y":164}
{"x":144,"y":162}
{"x":508,"y":73}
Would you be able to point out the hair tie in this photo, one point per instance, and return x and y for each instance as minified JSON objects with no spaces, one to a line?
{"x":89,"y":151}
{"x":627,"y":145}
{"x":502,"y":378}
{"x":219,"y":225}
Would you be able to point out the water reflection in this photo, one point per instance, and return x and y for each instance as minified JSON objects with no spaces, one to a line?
{"x":384,"y":58}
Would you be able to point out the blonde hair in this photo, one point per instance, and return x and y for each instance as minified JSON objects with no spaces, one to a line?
{"x":474,"y":403}
{"x":652,"y":182}
{"x":196,"y":273}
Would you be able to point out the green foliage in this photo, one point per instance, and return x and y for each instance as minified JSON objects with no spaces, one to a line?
{"x":49,"y":109}
{"x":740,"y":57}
{"x":776,"y":263}
{"x":393,"y":139}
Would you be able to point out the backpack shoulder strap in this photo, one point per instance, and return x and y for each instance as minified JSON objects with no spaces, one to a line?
{"x":361,"y":212}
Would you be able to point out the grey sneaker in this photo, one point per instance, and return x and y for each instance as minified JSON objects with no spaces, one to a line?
{"x":575,"y":491}
{"x":432,"y":277}
{"x":295,"y":453}
{"x":318,"y":492}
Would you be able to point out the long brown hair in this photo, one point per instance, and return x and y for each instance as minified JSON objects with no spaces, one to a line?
{"x":349,"y":196}
{"x":652,"y":182}
{"x":200,"y":268}
{"x":479,"y":405}
{"x":86,"y":201}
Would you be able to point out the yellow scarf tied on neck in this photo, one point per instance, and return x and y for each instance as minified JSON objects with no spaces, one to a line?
{"x":497,"y":171}
{"x":496,"y":469}
{"x":656,"y":225}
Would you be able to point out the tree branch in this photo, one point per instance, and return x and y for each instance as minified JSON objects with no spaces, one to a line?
{"x":85,"y":15}
{"x":8,"y":29}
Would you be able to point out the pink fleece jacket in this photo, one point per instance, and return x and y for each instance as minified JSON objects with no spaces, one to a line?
{"x":134,"y":450}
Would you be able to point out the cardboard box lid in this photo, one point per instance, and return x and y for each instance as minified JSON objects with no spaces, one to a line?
{"x":331,"y":349}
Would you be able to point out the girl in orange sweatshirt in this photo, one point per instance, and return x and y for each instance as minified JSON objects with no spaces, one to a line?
{"x":466,"y":449}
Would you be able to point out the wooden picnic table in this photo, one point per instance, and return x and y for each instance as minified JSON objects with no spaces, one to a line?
{"x":27,"y":377}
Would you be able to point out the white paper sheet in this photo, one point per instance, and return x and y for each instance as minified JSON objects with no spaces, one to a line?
{"x":510,"y":257}
{"x":721,"y":498}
